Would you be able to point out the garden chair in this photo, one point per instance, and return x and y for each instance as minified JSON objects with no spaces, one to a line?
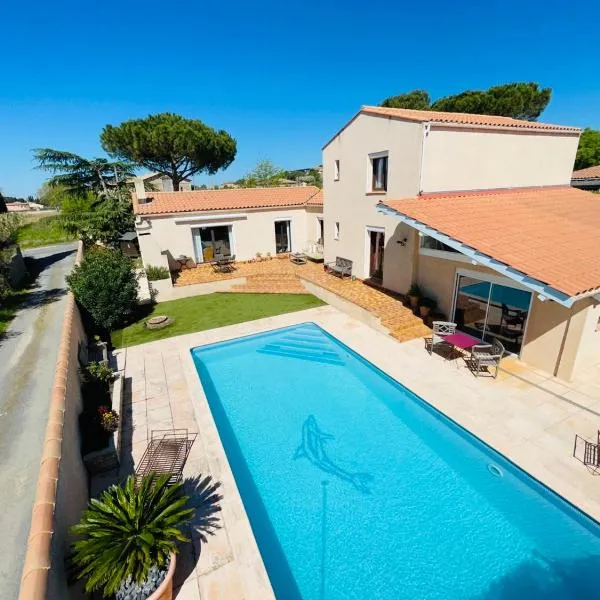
{"x":440,"y":330}
{"x":486,"y":355}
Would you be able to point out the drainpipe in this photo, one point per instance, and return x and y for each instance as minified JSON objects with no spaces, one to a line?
{"x":426,"y":128}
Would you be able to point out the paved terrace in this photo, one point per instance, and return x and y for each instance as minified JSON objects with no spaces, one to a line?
{"x":279,"y":275}
{"x":528,"y":416}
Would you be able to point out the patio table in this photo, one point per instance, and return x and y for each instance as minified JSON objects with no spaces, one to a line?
{"x":461,"y":340}
{"x":298,"y":258}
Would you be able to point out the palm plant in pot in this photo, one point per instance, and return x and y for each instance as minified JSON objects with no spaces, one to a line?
{"x":129,"y":538}
{"x":414,"y":295}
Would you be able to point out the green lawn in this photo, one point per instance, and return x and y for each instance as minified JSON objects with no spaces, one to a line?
{"x":42,"y":232}
{"x":213,"y":310}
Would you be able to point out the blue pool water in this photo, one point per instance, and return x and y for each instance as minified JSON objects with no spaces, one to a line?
{"x":356,"y":488}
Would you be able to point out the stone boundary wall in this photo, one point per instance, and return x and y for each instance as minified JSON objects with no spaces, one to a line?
{"x":62,"y":488}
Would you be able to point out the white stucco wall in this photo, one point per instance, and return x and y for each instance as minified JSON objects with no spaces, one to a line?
{"x":473,"y":159}
{"x":253,"y":231}
{"x":349,"y":201}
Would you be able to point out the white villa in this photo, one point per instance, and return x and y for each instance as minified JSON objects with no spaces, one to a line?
{"x":476,"y":210}
{"x":243,"y":222}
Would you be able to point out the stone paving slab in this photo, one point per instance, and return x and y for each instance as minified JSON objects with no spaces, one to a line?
{"x":525,"y":414}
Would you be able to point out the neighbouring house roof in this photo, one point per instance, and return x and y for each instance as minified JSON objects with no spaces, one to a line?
{"x":589,"y":173}
{"x":156,"y":175}
{"x":227,"y":199}
{"x":457,"y":119}
{"x":150,"y":176}
{"x":546,"y":235}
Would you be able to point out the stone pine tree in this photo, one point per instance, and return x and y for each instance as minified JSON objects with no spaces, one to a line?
{"x":518,"y":100}
{"x":171,"y":145}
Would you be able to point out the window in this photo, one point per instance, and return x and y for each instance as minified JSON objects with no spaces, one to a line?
{"x":380,"y":170}
{"x":336,"y":170}
{"x":433,"y":244}
{"x":336,"y":230}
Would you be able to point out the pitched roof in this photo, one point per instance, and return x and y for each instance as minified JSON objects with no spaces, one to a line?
{"x":434,"y":116}
{"x":227,"y":199}
{"x":589,"y":173}
{"x":450,"y":118}
{"x":549,"y":234}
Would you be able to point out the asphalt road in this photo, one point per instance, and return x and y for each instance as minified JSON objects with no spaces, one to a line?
{"x":28,"y":354}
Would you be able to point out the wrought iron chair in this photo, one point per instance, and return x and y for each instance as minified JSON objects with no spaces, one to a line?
{"x":486,"y":355}
{"x":440,"y":330}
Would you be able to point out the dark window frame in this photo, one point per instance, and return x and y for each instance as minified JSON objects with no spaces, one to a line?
{"x":375,"y":167}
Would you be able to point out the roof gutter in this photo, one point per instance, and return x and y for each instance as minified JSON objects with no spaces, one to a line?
{"x":487,"y":261}
{"x":511,"y":128}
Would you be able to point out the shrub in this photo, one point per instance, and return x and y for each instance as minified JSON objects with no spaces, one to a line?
{"x":98,"y":371}
{"x":105,"y":284}
{"x":428,"y":303}
{"x":128,"y":530}
{"x":156,"y":273}
{"x":414,"y":290}
{"x":9,"y":225}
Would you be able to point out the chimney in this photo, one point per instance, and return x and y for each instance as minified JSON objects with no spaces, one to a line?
{"x":140,"y":190}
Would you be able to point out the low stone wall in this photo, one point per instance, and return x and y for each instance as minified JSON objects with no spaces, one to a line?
{"x":164,"y":290}
{"x":62,"y":489}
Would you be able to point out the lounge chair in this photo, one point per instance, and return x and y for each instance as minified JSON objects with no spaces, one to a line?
{"x":166,"y":453}
{"x":440,"y":330}
{"x":486,"y":355}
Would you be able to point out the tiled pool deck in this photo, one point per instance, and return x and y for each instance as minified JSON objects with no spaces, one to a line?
{"x":528,"y":416}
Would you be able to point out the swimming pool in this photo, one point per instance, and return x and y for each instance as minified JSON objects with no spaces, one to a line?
{"x":356,"y":488}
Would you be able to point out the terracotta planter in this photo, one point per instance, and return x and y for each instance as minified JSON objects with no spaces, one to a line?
{"x":414,"y":301}
{"x":165,"y":590}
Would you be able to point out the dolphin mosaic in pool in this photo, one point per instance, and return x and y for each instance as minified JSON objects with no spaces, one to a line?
{"x":313,"y":448}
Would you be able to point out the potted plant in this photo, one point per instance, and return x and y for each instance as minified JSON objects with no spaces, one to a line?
{"x":426,"y":305}
{"x":414,"y":295}
{"x":129,"y":539}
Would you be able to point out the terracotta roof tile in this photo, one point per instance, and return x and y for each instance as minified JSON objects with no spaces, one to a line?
{"x":549,"y":233}
{"x":229,"y":199}
{"x":589,"y":173}
{"x":433,"y":116}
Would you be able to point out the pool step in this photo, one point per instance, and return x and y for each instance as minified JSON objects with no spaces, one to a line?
{"x":292,"y":347}
{"x":303,"y":341}
{"x":317,"y":355}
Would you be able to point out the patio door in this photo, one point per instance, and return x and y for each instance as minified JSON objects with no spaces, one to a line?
{"x":212,"y":241}
{"x":376,"y":243}
{"x":283,"y":237}
{"x":488,"y":310}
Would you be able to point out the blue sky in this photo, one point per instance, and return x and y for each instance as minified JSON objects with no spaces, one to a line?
{"x":281,"y":77}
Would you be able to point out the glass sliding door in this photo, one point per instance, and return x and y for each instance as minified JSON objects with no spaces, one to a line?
{"x":283,"y":237}
{"x":489,"y":310}
{"x":472,"y":296}
{"x":211,"y":242}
